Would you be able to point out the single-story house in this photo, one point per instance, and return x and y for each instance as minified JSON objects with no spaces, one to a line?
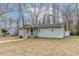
{"x":50,"y":31}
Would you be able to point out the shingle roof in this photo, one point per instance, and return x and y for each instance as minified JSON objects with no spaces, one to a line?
{"x":44,"y":26}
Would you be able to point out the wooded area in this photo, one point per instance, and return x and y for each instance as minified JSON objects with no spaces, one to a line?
{"x":40,"y":14}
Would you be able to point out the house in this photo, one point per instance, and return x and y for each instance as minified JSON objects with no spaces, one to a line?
{"x":46,"y":26}
{"x":50,"y":31}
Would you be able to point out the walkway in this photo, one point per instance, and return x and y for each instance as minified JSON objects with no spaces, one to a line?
{"x":9,"y":39}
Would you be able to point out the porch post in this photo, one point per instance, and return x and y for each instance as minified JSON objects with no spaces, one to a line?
{"x":33,"y":32}
{"x":29,"y":32}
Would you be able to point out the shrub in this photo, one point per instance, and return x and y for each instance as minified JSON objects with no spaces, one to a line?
{"x":77,"y":30}
{"x":4,"y":31}
{"x":72,"y":33}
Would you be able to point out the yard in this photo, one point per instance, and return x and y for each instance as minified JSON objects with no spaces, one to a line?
{"x":41,"y":47}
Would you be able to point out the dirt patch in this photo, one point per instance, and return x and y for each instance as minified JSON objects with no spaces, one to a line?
{"x":2,"y":38}
{"x":42,"y":47}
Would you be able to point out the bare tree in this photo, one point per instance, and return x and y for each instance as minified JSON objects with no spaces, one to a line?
{"x":67,"y":16}
{"x":4,"y":9}
{"x":35,"y":11}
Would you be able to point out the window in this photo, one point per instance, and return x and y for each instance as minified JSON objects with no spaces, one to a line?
{"x":27,"y":30}
{"x":52,"y":29}
{"x":39,"y":30}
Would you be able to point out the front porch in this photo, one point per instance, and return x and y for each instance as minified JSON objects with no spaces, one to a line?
{"x":28,"y":32}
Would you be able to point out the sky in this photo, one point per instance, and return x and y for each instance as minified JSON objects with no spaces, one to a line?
{"x":14,"y":14}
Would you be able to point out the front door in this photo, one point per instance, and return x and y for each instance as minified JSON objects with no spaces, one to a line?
{"x":31,"y":30}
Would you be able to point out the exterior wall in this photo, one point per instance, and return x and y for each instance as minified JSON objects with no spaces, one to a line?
{"x":48,"y":32}
{"x":43,"y":32}
{"x":35,"y":32}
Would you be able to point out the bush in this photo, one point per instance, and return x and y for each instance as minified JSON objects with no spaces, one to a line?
{"x":77,"y":33}
{"x":73,"y":33}
{"x":4,"y":31}
{"x":77,"y":30}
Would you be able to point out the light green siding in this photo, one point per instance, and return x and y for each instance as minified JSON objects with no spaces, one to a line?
{"x":51,"y":32}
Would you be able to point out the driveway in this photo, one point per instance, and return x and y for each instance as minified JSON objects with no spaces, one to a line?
{"x":9,"y":39}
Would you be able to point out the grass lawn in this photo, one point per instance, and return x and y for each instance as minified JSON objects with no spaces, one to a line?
{"x":42,"y":47}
